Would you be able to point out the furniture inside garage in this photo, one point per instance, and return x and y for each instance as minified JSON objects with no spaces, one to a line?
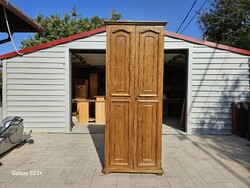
{"x":88,"y":86}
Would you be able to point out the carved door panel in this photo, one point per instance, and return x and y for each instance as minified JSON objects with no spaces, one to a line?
{"x":134,"y":75}
{"x":148,"y":95}
{"x":120,"y":97}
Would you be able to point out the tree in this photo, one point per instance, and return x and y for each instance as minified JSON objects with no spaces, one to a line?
{"x":227,"y":22}
{"x":72,"y":23}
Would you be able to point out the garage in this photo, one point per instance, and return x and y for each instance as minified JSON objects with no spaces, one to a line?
{"x":201,"y":79}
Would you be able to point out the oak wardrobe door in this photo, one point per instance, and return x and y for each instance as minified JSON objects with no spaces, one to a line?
{"x":120,"y":98}
{"x":148,"y":97}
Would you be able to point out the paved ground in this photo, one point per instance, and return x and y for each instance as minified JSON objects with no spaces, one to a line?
{"x":75,"y":160}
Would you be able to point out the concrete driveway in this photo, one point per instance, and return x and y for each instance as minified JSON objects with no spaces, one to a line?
{"x":76,"y":159}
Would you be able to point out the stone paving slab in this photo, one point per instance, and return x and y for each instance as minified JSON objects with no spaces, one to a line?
{"x":76,"y":160}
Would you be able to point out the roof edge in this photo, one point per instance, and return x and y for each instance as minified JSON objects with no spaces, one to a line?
{"x":53,"y":43}
{"x":207,"y":43}
{"x":6,"y":4}
{"x":103,"y":29}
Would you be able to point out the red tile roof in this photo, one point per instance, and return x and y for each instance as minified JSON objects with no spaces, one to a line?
{"x":103,"y":29}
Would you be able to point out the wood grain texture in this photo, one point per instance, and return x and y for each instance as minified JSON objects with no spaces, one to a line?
{"x":134,"y":98}
{"x":120,"y":97}
{"x":120,"y":134}
{"x":149,"y":82}
{"x":83,"y":111}
{"x":100,"y":112}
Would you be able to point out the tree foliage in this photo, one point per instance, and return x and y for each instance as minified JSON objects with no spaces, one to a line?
{"x":227,"y":22}
{"x":57,"y":27}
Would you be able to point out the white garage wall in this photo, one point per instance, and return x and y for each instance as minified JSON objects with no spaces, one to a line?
{"x":219,"y":77}
{"x":36,"y":86}
{"x":35,"y":89}
{"x":95,"y":42}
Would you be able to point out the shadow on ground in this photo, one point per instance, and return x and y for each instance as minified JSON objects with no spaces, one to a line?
{"x":97,"y":133}
{"x":221,"y":148}
{"x":171,"y":126}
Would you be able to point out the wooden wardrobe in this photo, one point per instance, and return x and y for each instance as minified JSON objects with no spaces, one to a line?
{"x":134,"y":72}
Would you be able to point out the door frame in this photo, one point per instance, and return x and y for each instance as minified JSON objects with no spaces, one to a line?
{"x":68,"y":88}
{"x":189,"y":50}
{"x":68,"y":85}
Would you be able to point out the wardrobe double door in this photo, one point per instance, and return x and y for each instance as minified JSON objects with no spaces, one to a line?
{"x":134,"y":98}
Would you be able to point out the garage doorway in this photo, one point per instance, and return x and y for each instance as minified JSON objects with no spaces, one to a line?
{"x":85,"y":63}
{"x":88,"y":77}
{"x":175,"y":89}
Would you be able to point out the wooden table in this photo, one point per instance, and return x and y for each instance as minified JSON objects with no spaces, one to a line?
{"x":83,"y":109}
{"x":100,"y":112}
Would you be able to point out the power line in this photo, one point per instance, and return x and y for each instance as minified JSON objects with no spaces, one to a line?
{"x":194,"y":16}
{"x":186,"y":16}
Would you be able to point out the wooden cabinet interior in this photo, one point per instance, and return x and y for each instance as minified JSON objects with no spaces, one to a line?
{"x":87,"y":105}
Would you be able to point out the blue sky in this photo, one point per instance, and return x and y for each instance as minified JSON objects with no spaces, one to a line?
{"x":172,"y":11}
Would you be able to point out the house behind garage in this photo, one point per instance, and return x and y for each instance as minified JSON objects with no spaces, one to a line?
{"x":201,"y":79}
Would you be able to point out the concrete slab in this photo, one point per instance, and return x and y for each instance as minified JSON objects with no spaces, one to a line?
{"x":76,"y":160}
